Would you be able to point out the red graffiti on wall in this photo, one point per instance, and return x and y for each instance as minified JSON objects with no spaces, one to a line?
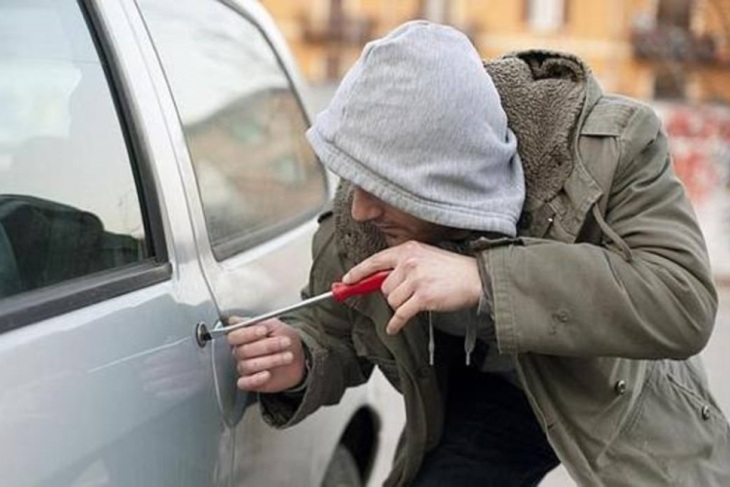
{"x":699,"y":141}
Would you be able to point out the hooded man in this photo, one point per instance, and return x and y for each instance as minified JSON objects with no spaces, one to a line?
{"x":549,"y":285}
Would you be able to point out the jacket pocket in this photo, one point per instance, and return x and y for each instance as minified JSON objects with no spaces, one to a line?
{"x":676,"y":435}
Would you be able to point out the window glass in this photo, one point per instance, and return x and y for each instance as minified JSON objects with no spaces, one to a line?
{"x":243,"y":124}
{"x":68,"y":201}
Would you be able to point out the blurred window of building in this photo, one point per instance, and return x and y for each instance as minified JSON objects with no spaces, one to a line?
{"x":670,"y":83}
{"x":435,"y":10}
{"x":674,"y":13}
{"x":545,"y":15}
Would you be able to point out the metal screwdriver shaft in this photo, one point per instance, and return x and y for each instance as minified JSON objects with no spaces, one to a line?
{"x":339,"y":292}
{"x":272,"y":314}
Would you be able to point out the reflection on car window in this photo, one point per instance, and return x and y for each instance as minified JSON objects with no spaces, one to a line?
{"x":68,"y":201}
{"x":243,"y":124}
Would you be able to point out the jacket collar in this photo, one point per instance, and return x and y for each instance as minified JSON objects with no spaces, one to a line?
{"x":547,"y":96}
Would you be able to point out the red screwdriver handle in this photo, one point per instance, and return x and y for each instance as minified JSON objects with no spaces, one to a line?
{"x":342,"y":291}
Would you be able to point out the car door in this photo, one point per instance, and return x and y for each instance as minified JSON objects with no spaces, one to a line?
{"x":100,"y":285}
{"x":254,"y":187}
{"x":253,"y":183}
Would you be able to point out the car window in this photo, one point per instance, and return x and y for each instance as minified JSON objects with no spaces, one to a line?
{"x":243,"y":123}
{"x":69,"y":205}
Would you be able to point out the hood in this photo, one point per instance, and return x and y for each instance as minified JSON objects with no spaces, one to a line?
{"x":418,"y":123}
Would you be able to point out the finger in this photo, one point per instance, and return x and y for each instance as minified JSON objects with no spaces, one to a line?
{"x":383,"y":260}
{"x":400,"y":294}
{"x":247,"y":335}
{"x":402,"y":315}
{"x":396,"y":277}
{"x":266,"y":346}
{"x":253,"y":382}
{"x":252,"y":366}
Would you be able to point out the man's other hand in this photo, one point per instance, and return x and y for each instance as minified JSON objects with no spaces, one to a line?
{"x":269,"y":356}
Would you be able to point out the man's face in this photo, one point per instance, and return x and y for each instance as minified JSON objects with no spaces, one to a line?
{"x":397,"y":226}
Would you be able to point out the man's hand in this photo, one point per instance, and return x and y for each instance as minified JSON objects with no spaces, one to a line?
{"x":424,"y":278}
{"x":269,"y":356}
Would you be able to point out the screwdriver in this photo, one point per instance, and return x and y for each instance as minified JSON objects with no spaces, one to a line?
{"x":340,"y":292}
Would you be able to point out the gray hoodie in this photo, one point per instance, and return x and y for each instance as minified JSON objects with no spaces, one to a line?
{"x":418,"y":122}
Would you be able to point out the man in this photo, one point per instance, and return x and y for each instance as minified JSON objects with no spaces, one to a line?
{"x":522,"y":328}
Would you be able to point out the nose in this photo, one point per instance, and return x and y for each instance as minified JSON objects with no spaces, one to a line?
{"x":365,"y":207}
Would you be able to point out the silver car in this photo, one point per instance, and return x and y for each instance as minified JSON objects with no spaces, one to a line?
{"x":154,"y":175}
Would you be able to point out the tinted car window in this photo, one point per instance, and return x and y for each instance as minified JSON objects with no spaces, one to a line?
{"x":243,"y":124}
{"x":69,"y":205}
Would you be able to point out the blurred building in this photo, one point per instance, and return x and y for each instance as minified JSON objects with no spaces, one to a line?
{"x":650,"y":49}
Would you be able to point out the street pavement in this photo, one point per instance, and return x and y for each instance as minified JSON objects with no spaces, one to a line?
{"x":714,"y":217}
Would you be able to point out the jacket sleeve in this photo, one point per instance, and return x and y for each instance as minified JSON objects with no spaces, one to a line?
{"x":580,"y":299}
{"x":326,"y":332}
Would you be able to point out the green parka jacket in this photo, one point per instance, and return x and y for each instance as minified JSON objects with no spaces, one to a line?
{"x":605,"y":297}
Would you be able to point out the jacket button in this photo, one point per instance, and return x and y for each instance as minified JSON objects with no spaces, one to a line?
{"x":705,"y":412}
{"x":620,"y":387}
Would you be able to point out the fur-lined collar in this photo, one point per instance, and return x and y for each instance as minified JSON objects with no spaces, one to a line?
{"x":543,"y":94}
